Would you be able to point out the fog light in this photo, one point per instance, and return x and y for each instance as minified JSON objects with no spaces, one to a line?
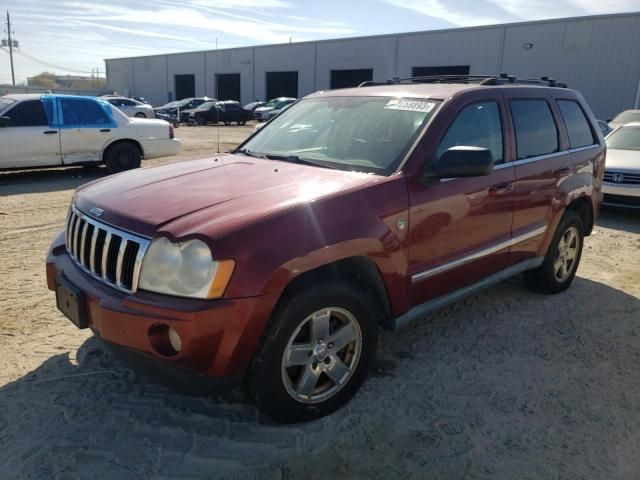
{"x":175,"y":340}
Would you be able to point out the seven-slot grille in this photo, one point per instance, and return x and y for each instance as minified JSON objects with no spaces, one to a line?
{"x":627,"y":178}
{"x":106,"y":253}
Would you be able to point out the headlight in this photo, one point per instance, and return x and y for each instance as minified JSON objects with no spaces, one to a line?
{"x":184,"y":269}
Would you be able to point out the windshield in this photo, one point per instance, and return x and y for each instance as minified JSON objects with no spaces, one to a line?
{"x":627,"y":117}
{"x":369,"y":134}
{"x":272,"y":103}
{"x":5,"y":102}
{"x":625,"y":138}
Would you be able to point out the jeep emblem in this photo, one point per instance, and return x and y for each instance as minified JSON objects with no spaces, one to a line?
{"x":96,"y":211}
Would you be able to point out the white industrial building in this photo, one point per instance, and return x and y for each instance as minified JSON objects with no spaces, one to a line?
{"x":598,"y":55}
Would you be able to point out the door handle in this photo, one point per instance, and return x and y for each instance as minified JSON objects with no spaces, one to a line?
{"x":105,"y":130}
{"x":500,"y":189}
{"x":50,"y":132}
{"x":562,"y":172}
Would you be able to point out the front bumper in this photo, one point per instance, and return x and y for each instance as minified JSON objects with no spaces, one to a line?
{"x":621,"y":195}
{"x":219,"y":336}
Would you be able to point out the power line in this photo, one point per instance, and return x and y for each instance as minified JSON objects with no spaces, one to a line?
{"x":48,"y":64}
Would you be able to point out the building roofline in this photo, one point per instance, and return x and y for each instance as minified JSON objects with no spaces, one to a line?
{"x":391,"y":35}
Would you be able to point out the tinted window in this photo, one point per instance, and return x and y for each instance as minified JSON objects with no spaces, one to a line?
{"x":577,"y":125}
{"x":536,"y":132}
{"x":121,"y":102}
{"x":477,"y":125}
{"x":83,"y":112}
{"x":27,"y":114}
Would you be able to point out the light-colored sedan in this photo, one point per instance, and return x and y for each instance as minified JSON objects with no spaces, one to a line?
{"x":273,"y":108}
{"x":625,"y":117}
{"x":60,"y":130}
{"x":131,"y":107}
{"x":621,"y":185}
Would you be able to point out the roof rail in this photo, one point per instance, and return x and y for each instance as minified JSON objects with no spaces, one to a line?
{"x":500,"y":79}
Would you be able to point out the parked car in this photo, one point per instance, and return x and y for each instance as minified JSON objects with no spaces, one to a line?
{"x":621,"y":185}
{"x":213,"y":112}
{"x":604,"y":127}
{"x":59,"y":130}
{"x":172,"y":108}
{"x":130,"y":107}
{"x":253,"y":105}
{"x":622,"y":118}
{"x":353,"y":209}
{"x":272,"y":108}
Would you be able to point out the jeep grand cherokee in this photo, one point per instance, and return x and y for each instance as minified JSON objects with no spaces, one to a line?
{"x":354,"y":209}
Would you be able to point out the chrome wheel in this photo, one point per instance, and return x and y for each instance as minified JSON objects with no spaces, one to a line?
{"x":566,"y":254}
{"x":321,"y":355}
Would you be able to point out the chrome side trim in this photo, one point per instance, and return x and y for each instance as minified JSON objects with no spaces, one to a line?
{"x":420,"y":311}
{"x":418,"y":277}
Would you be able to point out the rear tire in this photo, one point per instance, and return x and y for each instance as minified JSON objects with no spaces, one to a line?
{"x":140,"y":115}
{"x":315,"y":353}
{"x":242,"y":123}
{"x":122,"y":156}
{"x":561,"y":262}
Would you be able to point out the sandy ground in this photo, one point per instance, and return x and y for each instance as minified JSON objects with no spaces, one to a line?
{"x":506,"y":384}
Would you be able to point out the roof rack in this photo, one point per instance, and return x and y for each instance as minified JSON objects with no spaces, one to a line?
{"x":500,"y":79}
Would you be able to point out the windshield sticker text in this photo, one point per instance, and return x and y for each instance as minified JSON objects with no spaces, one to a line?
{"x":410,"y":105}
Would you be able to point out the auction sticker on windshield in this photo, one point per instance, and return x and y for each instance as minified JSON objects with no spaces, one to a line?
{"x":409,"y":105}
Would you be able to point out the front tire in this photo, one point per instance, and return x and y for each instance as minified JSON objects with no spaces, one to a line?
{"x":122,"y":156}
{"x":315,"y":354}
{"x":140,"y":115}
{"x":561,"y":262}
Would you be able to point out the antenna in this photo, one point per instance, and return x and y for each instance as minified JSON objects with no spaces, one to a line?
{"x":217,"y":100}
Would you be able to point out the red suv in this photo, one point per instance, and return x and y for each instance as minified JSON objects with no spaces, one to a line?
{"x":354,"y":209}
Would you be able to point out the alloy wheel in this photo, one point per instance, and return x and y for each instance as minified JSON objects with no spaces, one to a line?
{"x":566,"y":254}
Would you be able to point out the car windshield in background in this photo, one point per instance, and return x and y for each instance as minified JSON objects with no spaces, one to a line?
{"x":627,"y":117}
{"x":625,"y":138}
{"x":206,"y":105}
{"x":369,"y":134}
{"x":4,"y":103}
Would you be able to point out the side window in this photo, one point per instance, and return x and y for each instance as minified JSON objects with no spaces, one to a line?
{"x":536,"y":132}
{"x":476,"y":125}
{"x":76,"y":111}
{"x":27,"y":114}
{"x":127,"y":103}
{"x":580,"y":134}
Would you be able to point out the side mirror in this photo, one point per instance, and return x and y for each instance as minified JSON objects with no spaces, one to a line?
{"x":4,"y":122}
{"x":462,"y":161}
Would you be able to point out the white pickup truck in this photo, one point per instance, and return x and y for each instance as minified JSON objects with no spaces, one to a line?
{"x":60,"y":130}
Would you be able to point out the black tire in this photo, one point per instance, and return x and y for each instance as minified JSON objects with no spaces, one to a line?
{"x":265,"y":379}
{"x":140,"y":115}
{"x":543,"y":279}
{"x":242,"y":123}
{"x":201,"y":121}
{"x":227,"y":123}
{"x":122,"y":156}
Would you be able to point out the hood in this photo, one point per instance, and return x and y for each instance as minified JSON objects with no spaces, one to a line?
{"x":210,"y":196}
{"x":623,"y":160}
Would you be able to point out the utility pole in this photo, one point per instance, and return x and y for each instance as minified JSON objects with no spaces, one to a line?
{"x":11,"y":43}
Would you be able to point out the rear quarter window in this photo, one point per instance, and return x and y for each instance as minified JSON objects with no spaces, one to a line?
{"x":536,"y":131}
{"x":580,"y":133}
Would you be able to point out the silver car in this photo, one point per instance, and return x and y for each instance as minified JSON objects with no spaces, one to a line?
{"x":131,"y":107}
{"x":625,"y":117}
{"x":621,"y":185}
{"x":272,"y":108}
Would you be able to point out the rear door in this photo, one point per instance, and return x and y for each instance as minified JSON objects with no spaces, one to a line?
{"x":541,"y":165}
{"x":86,"y":127}
{"x":460,"y":228}
{"x":28,"y":141}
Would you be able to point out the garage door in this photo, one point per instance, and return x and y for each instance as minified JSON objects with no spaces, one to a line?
{"x":350,"y":78}
{"x":185,"y":86}
{"x":282,"y":84}
{"x":443,"y":70}
{"x":228,"y":86}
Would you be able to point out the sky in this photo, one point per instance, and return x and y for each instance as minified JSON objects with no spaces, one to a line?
{"x":75,"y":36}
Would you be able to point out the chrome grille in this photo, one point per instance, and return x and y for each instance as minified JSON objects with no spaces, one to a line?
{"x":627,"y":178}
{"x":104,"y":252}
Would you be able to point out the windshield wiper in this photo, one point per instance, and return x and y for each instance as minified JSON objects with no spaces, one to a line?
{"x":284,"y":158}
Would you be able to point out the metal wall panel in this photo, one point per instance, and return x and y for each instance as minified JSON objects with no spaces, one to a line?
{"x":151,"y":68}
{"x":294,"y":57}
{"x":239,"y":60}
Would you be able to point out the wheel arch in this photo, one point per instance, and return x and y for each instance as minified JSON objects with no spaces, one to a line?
{"x":359,"y":270}
{"x":120,"y":141}
{"x":584,"y":208}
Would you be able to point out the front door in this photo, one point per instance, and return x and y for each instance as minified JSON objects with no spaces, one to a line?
{"x":460,"y":228}
{"x":28,"y":141}
{"x":87,"y":127}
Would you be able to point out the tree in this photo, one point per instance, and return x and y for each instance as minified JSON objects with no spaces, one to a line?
{"x":45,"y":80}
